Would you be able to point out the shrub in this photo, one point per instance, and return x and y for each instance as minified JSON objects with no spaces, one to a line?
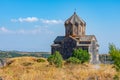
{"x":82,"y":55}
{"x":73,"y":60}
{"x":116,"y":77}
{"x":55,"y":59}
{"x":51,"y":60}
{"x":40,"y":60}
{"x":27,"y":64}
{"x":115,"y":55}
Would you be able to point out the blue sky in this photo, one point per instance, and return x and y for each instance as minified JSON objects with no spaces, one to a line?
{"x":32,"y":25}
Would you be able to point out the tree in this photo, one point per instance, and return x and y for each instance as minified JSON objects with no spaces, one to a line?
{"x":73,"y":60}
{"x":115,"y":55}
{"x":82,"y":55}
{"x":55,"y":59}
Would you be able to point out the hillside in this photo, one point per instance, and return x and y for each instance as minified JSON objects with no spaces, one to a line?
{"x":11,"y":54}
{"x":29,"y":68}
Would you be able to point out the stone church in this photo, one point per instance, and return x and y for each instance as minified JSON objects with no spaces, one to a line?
{"x":75,"y":37}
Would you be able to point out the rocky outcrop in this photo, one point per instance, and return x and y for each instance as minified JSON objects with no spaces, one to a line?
{"x":2,"y":62}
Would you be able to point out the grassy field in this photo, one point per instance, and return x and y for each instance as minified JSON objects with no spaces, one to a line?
{"x":28,"y":68}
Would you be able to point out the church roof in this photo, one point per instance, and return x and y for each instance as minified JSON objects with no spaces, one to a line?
{"x":59,"y":38}
{"x":75,"y":19}
{"x":56,"y":45}
{"x":87,"y":38}
{"x":82,"y":38}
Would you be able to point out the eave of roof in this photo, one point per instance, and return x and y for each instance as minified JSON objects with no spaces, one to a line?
{"x":83,"y":45}
{"x":56,"y":45}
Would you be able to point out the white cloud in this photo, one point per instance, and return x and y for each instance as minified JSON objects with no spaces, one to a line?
{"x":3,"y":29}
{"x":35,"y":19}
{"x":14,"y":20}
{"x":38,"y":30}
{"x":27,"y":19}
{"x":33,"y":31}
{"x":51,"y":21}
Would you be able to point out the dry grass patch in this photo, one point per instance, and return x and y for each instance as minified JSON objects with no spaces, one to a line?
{"x":27,"y":68}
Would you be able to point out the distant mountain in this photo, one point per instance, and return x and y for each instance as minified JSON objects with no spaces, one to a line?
{"x":10,"y":54}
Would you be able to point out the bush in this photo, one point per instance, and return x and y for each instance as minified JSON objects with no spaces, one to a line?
{"x":27,"y":64}
{"x":73,"y":60}
{"x":82,"y":55}
{"x":40,"y":60}
{"x":115,"y":55}
{"x":116,"y":77}
{"x":55,"y":59}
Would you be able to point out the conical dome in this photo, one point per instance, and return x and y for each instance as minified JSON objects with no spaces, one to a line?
{"x":74,"y":19}
{"x":75,"y":26}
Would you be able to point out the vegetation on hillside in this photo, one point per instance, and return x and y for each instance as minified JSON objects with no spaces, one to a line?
{"x":29,"y":68}
{"x":73,"y":60}
{"x":79,"y":56}
{"x":55,"y":59}
{"x":82,"y":55}
{"x":12,"y":54}
{"x":115,"y":54}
